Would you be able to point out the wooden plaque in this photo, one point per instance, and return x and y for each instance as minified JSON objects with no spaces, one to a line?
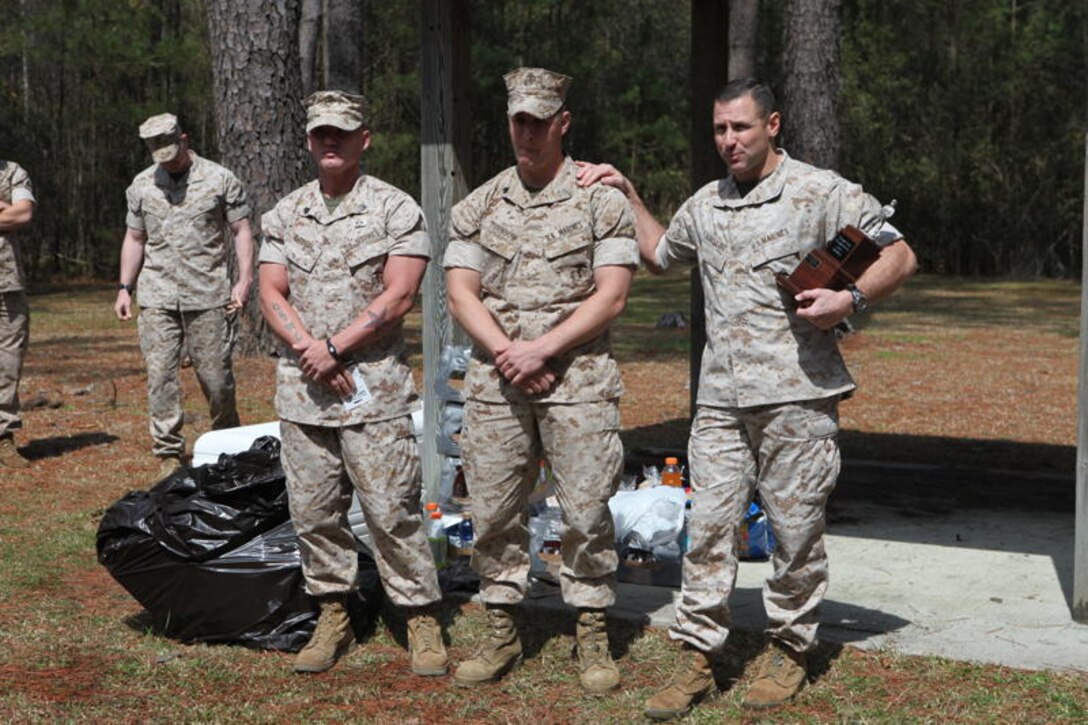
{"x":838,"y":263}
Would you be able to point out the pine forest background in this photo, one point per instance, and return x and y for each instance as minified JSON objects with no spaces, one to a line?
{"x":971,"y":114}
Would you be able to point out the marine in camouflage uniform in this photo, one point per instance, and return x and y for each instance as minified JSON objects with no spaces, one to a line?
{"x":179,"y":210}
{"x":16,"y":211}
{"x":341,"y":260}
{"x":772,"y":377}
{"x":538,"y":268}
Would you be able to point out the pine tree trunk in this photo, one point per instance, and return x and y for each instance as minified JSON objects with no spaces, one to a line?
{"x":811,"y":68}
{"x":259,"y":118}
{"x":343,"y":45}
{"x":743,"y":26}
{"x":309,"y":35}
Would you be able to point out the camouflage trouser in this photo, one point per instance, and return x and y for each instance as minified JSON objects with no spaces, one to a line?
{"x":788,"y":453}
{"x":14,"y":337}
{"x":207,"y":336}
{"x":501,"y":447}
{"x":381,"y":460}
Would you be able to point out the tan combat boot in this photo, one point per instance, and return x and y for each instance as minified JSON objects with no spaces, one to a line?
{"x":425,"y":645}
{"x":690,"y":685}
{"x":780,"y":675}
{"x":9,"y":456}
{"x":498,"y":655}
{"x":598,"y":671}
{"x":332,"y":638}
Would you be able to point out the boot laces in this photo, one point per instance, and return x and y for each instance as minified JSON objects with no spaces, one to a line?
{"x":424,"y":628}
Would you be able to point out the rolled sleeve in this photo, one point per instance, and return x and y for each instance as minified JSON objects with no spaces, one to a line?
{"x":134,"y":218}
{"x":678,"y":243}
{"x":271,"y":241}
{"x":621,"y":251}
{"x":463,"y":254}
{"x":21,"y":188}
{"x":613,"y":229}
{"x":234,"y":198}
{"x":405,"y":224}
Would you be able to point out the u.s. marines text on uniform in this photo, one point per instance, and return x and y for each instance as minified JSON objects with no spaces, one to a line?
{"x":772,"y":377}
{"x":537,"y":270}
{"x":340,"y":264}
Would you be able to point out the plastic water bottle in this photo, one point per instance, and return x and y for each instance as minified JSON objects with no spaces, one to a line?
{"x":670,"y":474}
{"x":465,"y":530}
{"x":436,"y":537}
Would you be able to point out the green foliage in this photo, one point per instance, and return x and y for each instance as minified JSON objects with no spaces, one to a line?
{"x":973,"y":116}
{"x":79,"y":77}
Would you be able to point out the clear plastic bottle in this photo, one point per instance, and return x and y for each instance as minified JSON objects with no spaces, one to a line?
{"x":436,"y":537}
{"x":671,"y":474}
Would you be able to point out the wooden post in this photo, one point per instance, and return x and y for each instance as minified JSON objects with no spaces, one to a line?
{"x":709,"y":61}
{"x":444,"y":129}
{"x":1080,"y":546}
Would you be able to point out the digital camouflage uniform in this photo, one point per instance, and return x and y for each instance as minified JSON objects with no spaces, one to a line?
{"x":183,"y":290}
{"x":767,"y":416}
{"x":536,"y":254}
{"x":14,"y":312}
{"x":335,"y":263}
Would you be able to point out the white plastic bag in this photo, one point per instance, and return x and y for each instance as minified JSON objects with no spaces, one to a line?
{"x":648,"y":517}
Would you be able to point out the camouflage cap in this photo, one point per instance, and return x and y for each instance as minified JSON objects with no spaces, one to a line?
{"x":535,"y":91}
{"x":345,"y":111}
{"x":165,"y":130}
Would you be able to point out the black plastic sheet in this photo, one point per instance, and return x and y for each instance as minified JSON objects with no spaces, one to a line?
{"x":211,"y":555}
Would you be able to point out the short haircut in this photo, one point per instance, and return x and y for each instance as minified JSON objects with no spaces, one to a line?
{"x":761,"y":93}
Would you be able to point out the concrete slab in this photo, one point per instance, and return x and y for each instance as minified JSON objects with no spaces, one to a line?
{"x":978,"y":585}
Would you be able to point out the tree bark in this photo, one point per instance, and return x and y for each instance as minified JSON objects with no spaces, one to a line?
{"x":343,"y":67}
{"x":309,"y":35}
{"x":812,"y":81}
{"x":743,"y":26}
{"x":258,"y":114}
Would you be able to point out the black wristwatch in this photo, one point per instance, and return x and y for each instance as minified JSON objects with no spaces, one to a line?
{"x":126,"y":287}
{"x":332,"y":349}
{"x":858,"y":298}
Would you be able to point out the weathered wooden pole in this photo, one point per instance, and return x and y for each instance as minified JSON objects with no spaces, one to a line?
{"x":1080,"y":546}
{"x":709,"y":71}
{"x":443,"y":182}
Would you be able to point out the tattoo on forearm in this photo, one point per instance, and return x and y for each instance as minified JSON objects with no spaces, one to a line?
{"x":377,"y":319}
{"x":288,"y":326}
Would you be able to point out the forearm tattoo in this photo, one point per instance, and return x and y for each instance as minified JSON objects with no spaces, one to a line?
{"x":377,"y":319}
{"x":288,"y":326}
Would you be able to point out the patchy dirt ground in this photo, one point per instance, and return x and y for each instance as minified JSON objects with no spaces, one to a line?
{"x":952,"y":373}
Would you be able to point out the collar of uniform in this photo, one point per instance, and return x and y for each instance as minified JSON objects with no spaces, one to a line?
{"x":560,"y":188}
{"x":354,"y":202}
{"x":767,"y":189}
{"x":194,"y":173}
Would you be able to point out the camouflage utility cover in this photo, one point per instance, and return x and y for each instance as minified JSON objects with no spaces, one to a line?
{"x":345,"y":111}
{"x":535,"y":91}
{"x":185,"y":255}
{"x":758,"y":351}
{"x":536,"y":255}
{"x":14,"y":186}
{"x":334,"y":266}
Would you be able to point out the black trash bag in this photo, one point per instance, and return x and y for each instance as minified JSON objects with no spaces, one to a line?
{"x":211,"y":555}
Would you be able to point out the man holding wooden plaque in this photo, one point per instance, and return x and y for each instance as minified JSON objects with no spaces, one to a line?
{"x":772,"y":378}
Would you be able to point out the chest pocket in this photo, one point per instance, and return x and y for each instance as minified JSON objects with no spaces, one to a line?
{"x":500,"y":250}
{"x":205,"y":212}
{"x":570,"y":256}
{"x":301,"y":254}
{"x":781,"y":255}
{"x":365,"y":258}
